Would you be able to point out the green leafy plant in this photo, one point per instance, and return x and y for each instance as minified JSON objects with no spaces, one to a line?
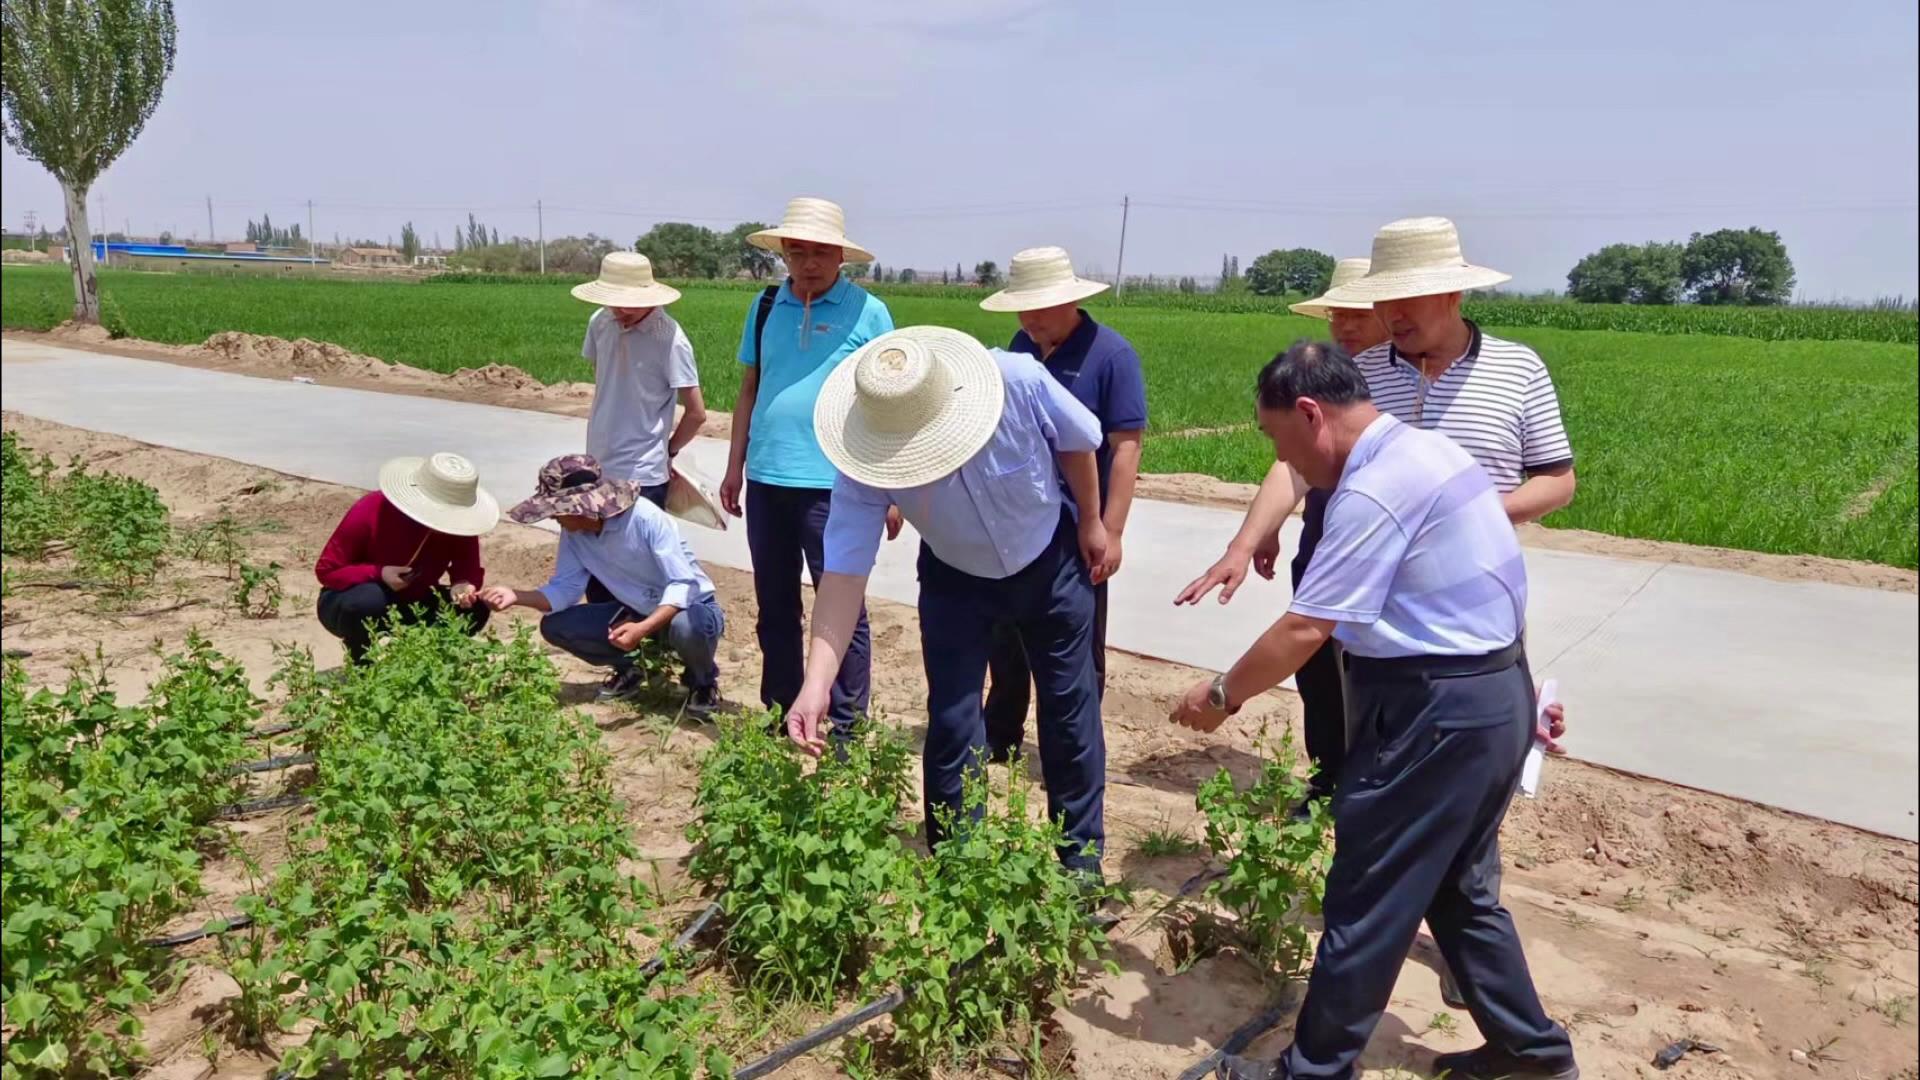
{"x":988,"y":934}
{"x":257,"y":593}
{"x":29,"y":518}
{"x":1275,"y":863}
{"x":118,"y":526}
{"x":220,"y":541}
{"x":104,"y":807}
{"x":799,"y":858}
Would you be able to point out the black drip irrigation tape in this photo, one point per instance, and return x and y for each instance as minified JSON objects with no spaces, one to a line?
{"x":232,"y":922}
{"x":872,"y":1010}
{"x":1244,"y":1035}
{"x":692,"y":931}
{"x":273,"y":763}
{"x":261,"y":806}
{"x":271,"y":730}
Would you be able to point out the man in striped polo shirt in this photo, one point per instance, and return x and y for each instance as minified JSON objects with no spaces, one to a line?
{"x":1420,"y":576}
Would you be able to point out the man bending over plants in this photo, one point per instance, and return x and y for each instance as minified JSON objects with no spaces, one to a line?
{"x":611,"y":535}
{"x":389,"y":554}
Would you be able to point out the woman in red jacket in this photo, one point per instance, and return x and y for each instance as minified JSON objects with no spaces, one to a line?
{"x":389,"y":554}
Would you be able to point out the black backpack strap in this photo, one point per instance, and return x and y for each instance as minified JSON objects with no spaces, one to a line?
{"x":767,"y":296}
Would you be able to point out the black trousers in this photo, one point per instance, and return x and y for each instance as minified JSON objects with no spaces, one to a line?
{"x":1438,"y":745}
{"x":1011,"y":686}
{"x":1322,"y":680}
{"x":353,"y":615}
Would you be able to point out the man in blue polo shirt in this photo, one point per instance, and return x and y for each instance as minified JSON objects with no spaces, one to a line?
{"x":795,"y":335}
{"x":1101,"y":369}
{"x":1420,"y":577}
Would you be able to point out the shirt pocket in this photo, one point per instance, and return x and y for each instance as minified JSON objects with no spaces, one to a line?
{"x":1015,"y":486}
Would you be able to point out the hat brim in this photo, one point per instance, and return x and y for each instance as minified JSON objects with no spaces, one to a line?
{"x":690,"y":500}
{"x":625,"y":296}
{"x":896,"y":460}
{"x":1320,"y":307}
{"x":1405,"y":284}
{"x":769,"y":240}
{"x":582,"y":503}
{"x":1067,"y":292}
{"x":396,"y":483}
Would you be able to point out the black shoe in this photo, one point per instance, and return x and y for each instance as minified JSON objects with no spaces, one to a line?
{"x":1001,"y":755}
{"x":703,"y":702}
{"x":1491,"y":1063}
{"x":1235,"y":1067}
{"x":1450,"y":991}
{"x":621,"y":686}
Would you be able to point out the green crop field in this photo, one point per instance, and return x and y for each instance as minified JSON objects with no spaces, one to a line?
{"x":1802,"y":445}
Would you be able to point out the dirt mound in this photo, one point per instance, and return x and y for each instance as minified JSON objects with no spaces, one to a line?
{"x":302,"y":356}
{"x":82,"y":333}
{"x":508,"y":378}
{"x":15,"y":255}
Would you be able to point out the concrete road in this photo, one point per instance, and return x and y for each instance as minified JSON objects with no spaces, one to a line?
{"x":1802,"y":696}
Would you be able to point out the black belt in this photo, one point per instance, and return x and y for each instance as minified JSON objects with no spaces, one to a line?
{"x":1408,"y":667}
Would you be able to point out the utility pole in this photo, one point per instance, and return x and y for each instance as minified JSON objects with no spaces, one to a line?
{"x":540,"y":215}
{"x":1120,"y":264}
{"x":32,"y":235}
{"x":210,"y":233}
{"x":312,"y":249}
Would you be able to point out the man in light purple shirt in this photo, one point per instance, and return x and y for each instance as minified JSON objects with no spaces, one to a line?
{"x":970,"y":445}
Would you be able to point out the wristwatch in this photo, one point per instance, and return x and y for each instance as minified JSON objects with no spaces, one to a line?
{"x":1217,"y":695}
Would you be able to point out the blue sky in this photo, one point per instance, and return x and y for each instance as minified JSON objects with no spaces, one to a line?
{"x":960,"y":130}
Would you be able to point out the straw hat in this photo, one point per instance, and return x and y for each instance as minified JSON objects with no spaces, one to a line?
{"x":909,"y":407}
{"x":1041,"y":277}
{"x":690,"y":499}
{"x":1416,"y":257}
{"x":626,"y":280}
{"x":442,"y":492}
{"x":816,"y":221}
{"x":1344,"y":271}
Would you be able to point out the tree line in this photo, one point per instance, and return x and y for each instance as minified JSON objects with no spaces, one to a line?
{"x":1739,"y":267}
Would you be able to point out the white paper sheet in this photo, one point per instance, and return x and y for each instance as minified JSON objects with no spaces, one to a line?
{"x":1537,"y":753}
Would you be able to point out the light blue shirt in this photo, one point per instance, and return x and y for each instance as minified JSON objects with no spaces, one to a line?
{"x":996,"y":513}
{"x":800,"y":346}
{"x":1418,"y":558}
{"x":639,"y":556}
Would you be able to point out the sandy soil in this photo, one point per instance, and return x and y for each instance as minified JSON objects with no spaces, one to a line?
{"x":1650,"y":913}
{"x":497,"y":384}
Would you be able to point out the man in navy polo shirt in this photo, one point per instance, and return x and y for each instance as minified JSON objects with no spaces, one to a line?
{"x":1101,"y":369}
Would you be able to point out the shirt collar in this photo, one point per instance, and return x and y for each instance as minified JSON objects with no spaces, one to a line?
{"x":1078,"y":342}
{"x":1365,"y":448}
{"x":834,"y":294}
{"x":1472,"y":353}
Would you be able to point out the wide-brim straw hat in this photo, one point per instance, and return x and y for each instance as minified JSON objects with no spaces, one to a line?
{"x":690,"y":499}
{"x":1344,"y":271}
{"x":626,"y":281}
{"x":816,"y":221}
{"x":909,"y":407}
{"x":1416,"y":257}
{"x":1039,"y":278}
{"x":442,"y":492}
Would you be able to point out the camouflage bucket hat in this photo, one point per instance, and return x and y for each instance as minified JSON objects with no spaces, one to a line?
{"x":571,"y":485}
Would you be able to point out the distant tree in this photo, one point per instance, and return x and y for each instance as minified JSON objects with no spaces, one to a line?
{"x":944,"y":279}
{"x":742,"y":256}
{"x":496,"y":236}
{"x":879,"y":273}
{"x":907,"y":276}
{"x":1628,"y":274}
{"x":859,"y":271}
{"x":409,"y":242}
{"x":459,"y":241}
{"x":959,"y":276}
{"x":1299,"y":271}
{"x":476,"y":234}
{"x":1188,"y":285}
{"x":166,"y":237}
{"x":986,"y":273}
{"x":78,"y":82}
{"x":681,"y":250}
{"x":1737,"y":266}
{"x":1234,"y":269}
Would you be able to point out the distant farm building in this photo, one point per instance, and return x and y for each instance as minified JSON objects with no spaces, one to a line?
{"x":178,"y":257}
{"x":370,"y":256}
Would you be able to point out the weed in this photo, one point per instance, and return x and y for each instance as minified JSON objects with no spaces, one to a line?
{"x":1444,"y":1023}
{"x":1577,"y":920}
{"x":1896,"y":1011}
{"x":1163,"y":842}
{"x":256,"y":594}
{"x":1816,"y":972}
{"x":1630,"y":901}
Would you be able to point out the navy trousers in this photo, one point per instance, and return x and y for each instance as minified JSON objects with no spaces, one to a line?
{"x":1010,"y":690}
{"x":355,"y":615}
{"x":1050,"y":603}
{"x":1438,"y":744}
{"x":786,"y":527}
{"x":1322,"y":680}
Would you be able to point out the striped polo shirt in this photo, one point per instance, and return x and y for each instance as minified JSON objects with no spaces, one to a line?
{"x":1418,"y":558}
{"x":1497,"y":401}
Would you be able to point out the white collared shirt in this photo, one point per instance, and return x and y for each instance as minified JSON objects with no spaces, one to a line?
{"x":637,"y":374}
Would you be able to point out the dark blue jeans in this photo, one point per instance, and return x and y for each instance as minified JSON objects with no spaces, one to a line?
{"x":1010,"y":690}
{"x":786,"y":528}
{"x":1438,"y":744}
{"x":1050,"y":603}
{"x":694,"y":634}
